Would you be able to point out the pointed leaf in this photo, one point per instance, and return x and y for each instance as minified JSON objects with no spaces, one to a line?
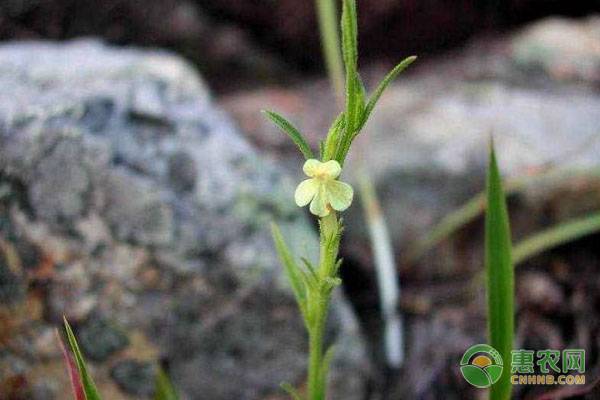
{"x":359,"y":94}
{"x":76,"y":384}
{"x":89,"y":387}
{"x":163,"y":388}
{"x":311,"y":269}
{"x":292,"y":270}
{"x":333,"y":138}
{"x":382,"y":86}
{"x":350,"y":54}
{"x":500,"y":278}
{"x":292,"y":132}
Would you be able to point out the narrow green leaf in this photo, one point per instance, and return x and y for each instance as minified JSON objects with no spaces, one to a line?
{"x":333,"y":138}
{"x":89,"y":387}
{"x":311,"y":269}
{"x":382,"y":86}
{"x":163,"y":387}
{"x":292,"y":132}
{"x":555,"y":236}
{"x":500,"y":278}
{"x":469,"y":211}
{"x":360,"y":95}
{"x":322,"y":149}
{"x":292,"y":270}
{"x":329,"y":283}
{"x":350,"y":55}
{"x":291,"y":391}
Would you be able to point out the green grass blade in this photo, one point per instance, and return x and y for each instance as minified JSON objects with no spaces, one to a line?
{"x":382,"y":86}
{"x":292,"y":270}
{"x":292,"y":132}
{"x":500,"y":277}
{"x":89,"y":387}
{"x":163,"y":387}
{"x":555,"y":236}
{"x":475,"y":206}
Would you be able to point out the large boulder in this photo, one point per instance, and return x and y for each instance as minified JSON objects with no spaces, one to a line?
{"x":219,"y":48}
{"x":130,"y":204}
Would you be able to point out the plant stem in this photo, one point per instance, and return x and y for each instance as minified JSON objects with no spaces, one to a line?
{"x":316,"y":388}
{"x":327,"y":13}
{"x":317,"y":378}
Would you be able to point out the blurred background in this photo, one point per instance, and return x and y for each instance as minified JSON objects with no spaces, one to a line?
{"x":138,"y":178}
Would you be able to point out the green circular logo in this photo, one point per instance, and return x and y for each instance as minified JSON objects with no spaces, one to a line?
{"x":481,"y":365}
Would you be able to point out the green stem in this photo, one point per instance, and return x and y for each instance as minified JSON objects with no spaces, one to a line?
{"x":329,"y":228}
{"x":316,"y":390}
{"x":328,"y":25}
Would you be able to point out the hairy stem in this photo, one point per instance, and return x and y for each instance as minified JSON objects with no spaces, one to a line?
{"x":317,"y":379}
{"x":316,"y":387}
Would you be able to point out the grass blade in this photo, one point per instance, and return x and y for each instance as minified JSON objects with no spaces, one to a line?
{"x":292,"y":270}
{"x":89,"y":387}
{"x":474,"y":207}
{"x":76,"y":384}
{"x":163,"y":387}
{"x":292,"y":132}
{"x":555,"y":236}
{"x":500,"y":277}
{"x":382,"y":86}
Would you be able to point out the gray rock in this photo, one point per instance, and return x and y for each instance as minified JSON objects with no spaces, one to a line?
{"x":150,"y":213}
{"x":99,"y":339}
{"x":562,"y":49}
{"x":134,"y":377}
{"x":426,"y":147}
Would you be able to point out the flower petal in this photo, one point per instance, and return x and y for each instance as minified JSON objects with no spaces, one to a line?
{"x":305,"y":192}
{"x":312,"y":167}
{"x":318,"y":206}
{"x":331,"y":168}
{"x":339,"y":194}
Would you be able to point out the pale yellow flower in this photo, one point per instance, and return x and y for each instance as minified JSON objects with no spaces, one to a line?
{"x":323,"y":191}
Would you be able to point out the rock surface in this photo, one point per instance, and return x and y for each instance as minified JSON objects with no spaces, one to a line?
{"x":130,"y":203}
{"x":258,"y":42}
{"x":219,"y":48}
